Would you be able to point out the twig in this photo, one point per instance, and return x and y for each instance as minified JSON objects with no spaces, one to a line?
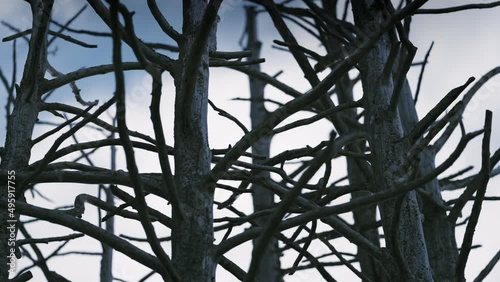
{"x":472,"y":187}
{"x":319,"y":116}
{"x":26,"y":276}
{"x":61,"y":218}
{"x":228,"y":116}
{"x":21,"y":242}
{"x":67,"y":24}
{"x":466,"y":99}
{"x":82,"y":31}
{"x":60,"y":139}
{"x":83,"y":73}
{"x":457,"y":8}
{"x":476,"y":209}
{"x":422,"y":70}
{"x":482,"y":275}
{"x":290,"y":197}
{"x":224,"y":63}
{"x":163,"y":23}
{"x":433,"y":114}
{"x":57,"y":34}
{"x":76,"y":91}
{"x":309,"y":98}
{"x":403,"y":68}
{"x":62,"y":125}
{"x":95,"y":120}
{"x":155,"y":113}
{"x":129,"y":151}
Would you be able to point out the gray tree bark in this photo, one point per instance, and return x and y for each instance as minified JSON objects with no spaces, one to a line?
{"x":269,"y":269}
{"x":364,"y":219}
{"x":401,"y":218}
{"x":24,"y":116}
{"x":192,"y":234}
{"x":438,"y":230}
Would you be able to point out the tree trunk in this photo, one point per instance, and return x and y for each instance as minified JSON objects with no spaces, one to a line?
{"x":192,"y":234}
{"x":269,"y":269}
{"x":401,"y":217}
{"x":439,"y":231}
{"x":364,"y":219}
{"x":23,"y":119}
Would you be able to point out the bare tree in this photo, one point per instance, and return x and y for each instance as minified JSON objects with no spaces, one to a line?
{"x":390,"y":152}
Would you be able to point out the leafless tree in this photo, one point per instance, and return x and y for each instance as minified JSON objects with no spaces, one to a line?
{"x":390,"y":151}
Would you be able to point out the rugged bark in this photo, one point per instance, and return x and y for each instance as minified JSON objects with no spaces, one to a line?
{"x":364,"y":219}
{"x":401,"y":218}
{"x":192,"y":234}
{"x":438,"y":230}
{"x":24,"y":115}
{"x":269,"y":269}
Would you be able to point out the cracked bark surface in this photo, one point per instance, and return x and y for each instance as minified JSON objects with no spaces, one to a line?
{"x":401,"y":218}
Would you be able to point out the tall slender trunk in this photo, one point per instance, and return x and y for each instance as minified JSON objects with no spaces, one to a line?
{"x":23,"y":119}
{"x":401,"y":218}
{"x":106,"y":271}
{"x":364,"y":219}
{"x":439,"y":231}
{"x":269,"y":269}
{"x":192,"y":234}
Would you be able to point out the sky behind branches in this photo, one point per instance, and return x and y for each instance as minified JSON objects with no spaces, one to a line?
{"x":465,"y":44}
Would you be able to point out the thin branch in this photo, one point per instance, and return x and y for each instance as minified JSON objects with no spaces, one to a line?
{"x":82,"y":31}
{"x":472,"y":187}
{"x":61,"y":126}
{"x":155,"y":114}
{"x":228,"y":116}
{"x":54,"y":33}
{"x":404,"y":67}
{"x":307,"y":99}
{"x":422,"y":70}
{"x":129,"y":151}
{"x":466,"y":99}
{"x":26,"y":276}
{"x":76,"y":91}
{"x":457,"y":8}
{"x":354,"y":204}
{"x":319,"y":116}
{"x":224,"y":63}
{"x":67,"y":24}
{"x":21,"y":242}
{"x":61,"y":218}
{"x":482,"y":275}
{"x":276,"y":217}
{"x":163,"y":23}
{"x":476,"y":209}
{"x":86,"y":72}
{"x":433,"y":114}
{"x":163,"y":149}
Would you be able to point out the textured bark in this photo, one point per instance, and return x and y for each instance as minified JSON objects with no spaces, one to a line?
{"x":364,"y":219}
{"x":24,"y":115}
{"x":439,"y":231}
{"x":269,"y":269}
{"x":404,"y":237}
{"x":192,"y":236}
{"x":106,"y":271}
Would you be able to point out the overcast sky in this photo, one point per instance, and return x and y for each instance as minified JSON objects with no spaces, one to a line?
{"x":466,"y":44}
